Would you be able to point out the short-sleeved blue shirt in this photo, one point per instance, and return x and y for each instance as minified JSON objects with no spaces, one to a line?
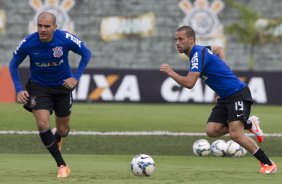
{"x":49,"y":64}
{"x":216,"y":74}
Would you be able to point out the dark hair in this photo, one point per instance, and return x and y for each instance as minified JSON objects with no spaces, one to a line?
{"x":189,"y":31}
{"x":46,"y":13}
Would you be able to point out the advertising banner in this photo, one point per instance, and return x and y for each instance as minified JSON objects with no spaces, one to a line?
{"x":152,"y":86}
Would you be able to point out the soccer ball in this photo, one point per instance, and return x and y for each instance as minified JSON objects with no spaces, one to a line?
{"x":201,"y":147}
{"x":219,"y":148}
{"x":142,"y":165}
{"x":234,"y":149}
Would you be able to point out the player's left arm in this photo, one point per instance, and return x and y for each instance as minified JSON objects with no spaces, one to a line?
{"x":188,"y":81}
{"x":85,"y":54}
{"x":79,"y":48}
{"x":218,"y":50}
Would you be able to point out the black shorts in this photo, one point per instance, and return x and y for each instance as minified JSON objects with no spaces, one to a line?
{"x":57,"y":99}
{"x":233,"y":108}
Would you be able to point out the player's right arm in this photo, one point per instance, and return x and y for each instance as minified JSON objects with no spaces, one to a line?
{"x":18,"y":57}
{"x":188,"y":81}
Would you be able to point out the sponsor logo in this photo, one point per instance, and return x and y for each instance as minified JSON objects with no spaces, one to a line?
{"x":238,"y":115}
{"x":195,"y":61}
{"x":50,"y":64}
{"x":74,"y":39}
{"x":59,"y":8}
{"x":202,"y":17}
{"x":173,"y":92}
{"x":126,"y":88}
{"x":57,"y":52}
{"x":115,"y":28}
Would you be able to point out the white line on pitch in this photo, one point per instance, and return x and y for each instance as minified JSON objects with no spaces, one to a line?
{"x":129,"y":133}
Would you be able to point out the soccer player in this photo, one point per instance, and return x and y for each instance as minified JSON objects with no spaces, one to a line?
{"x":51,"y":81}
{"x":232,"y":110}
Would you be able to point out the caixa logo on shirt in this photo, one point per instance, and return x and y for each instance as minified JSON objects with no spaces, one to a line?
{"x":50,"y":64}
{"x":57,"y":52}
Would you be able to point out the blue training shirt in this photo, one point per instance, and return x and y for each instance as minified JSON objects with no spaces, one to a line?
{"x":49,"y":64}
{"x":216,"y":74}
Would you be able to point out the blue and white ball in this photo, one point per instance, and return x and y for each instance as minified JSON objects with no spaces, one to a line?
{"x":235,"y":150}
{"x":142,"y":165}
{"x":219,"y":148}
{"x":201,"y":148}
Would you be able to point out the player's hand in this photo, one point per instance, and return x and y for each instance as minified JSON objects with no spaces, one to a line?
{"x":166,"y":68}
{"x":22,"y":97}
{"x":70,"y":83}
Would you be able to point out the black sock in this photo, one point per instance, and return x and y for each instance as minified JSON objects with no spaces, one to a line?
{"x":261,"y":156}
{"x":58,"y":137}
{"x":48,"y":140}
{"x":247,"y":124}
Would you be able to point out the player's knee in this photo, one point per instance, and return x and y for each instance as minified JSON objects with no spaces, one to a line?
{"x":64,"y":131}
{"x":211,"y":133}
{"x":235,"y":136}
{"x":42,"y":125}
{"x":63,"y":134}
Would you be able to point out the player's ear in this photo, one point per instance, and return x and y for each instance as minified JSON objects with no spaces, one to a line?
{"x":191,"y":41}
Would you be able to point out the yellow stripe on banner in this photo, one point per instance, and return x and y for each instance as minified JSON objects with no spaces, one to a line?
{"x":96,"y":94}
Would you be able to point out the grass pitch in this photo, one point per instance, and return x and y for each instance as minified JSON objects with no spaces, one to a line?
{"x":136,"y":117}
{"x":129,"y":117}
{"x":115,"y":169}
{"x":106,"y":159}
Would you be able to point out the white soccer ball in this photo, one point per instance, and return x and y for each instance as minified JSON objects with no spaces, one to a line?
{"x":201,"y":147}
{"x":142,"y":165}
{"x":235,"y":150}
{"x":219,"y":148}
